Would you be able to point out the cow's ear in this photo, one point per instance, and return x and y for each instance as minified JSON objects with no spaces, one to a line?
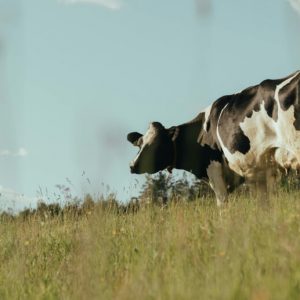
{"x":157,"y":125}
{"x":133,"y":138}
{"x":173,"y":132}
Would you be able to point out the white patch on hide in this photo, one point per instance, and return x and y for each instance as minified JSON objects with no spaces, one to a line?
{"x":288,"y":136}
{"x":207,"y":114}
{"x":260,"y":129}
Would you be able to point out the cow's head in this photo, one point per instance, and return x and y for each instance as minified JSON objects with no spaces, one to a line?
{"x":156,"y":149}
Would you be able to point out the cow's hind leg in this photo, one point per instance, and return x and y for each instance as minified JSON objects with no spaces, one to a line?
{"x":217,"y":182}
{"x":262,"y":190}
{"x":267,"y":178}
{"x":264,"y":186}
{"x":267,"y":185}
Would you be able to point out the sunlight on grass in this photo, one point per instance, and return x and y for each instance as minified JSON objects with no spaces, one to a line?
{"x":187,"y":250}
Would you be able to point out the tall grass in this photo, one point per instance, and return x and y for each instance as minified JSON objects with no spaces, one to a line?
{"x":187,"y":250}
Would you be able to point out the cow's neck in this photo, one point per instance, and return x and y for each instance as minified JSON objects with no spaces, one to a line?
{"x":187,"y":151}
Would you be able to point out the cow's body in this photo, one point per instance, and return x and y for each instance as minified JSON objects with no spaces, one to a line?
{"x":258,"y":129}
{"x":247,"y":135}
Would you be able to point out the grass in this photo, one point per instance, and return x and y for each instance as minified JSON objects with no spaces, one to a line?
{"x":188,"y":250}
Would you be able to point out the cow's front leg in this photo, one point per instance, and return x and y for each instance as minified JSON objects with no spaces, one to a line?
{"x":217,"y":182}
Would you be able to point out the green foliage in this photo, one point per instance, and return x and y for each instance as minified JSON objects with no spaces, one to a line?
{"x":290,"y":182}
{"x":162,"y":188}
{"x":156,"y":188}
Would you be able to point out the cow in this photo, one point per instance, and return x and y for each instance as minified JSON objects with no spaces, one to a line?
{"x":243,"y":137}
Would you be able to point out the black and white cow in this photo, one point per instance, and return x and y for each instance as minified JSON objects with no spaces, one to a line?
{"x":244,"y":136}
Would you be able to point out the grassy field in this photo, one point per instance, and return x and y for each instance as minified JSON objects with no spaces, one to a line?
{"x":184,"y":251}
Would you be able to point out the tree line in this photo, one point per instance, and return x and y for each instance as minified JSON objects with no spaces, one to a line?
{"x":159,"y":189}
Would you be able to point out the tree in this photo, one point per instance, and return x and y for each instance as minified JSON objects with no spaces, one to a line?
{"x":156,"y":189}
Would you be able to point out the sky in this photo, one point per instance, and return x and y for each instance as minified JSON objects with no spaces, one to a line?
{"x":77,"y":75}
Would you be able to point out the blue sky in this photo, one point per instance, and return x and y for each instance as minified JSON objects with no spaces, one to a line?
{"x":77,"y":76}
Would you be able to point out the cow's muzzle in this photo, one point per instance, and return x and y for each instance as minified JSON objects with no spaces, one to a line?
{"x":133,"y":169}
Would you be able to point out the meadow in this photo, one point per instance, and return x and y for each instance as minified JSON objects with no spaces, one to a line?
{"x":184,"y":250}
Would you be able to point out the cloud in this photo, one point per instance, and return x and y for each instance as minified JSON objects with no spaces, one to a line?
{"x":22,"y":152}
{"x":295,"y":5}
{"x":110,"y":4}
